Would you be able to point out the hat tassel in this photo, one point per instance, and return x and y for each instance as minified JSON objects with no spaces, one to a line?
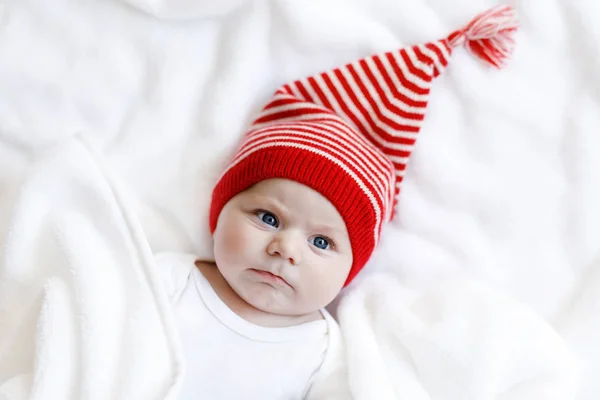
{"x":490,"y":35}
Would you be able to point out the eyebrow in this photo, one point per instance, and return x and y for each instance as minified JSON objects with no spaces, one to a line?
{"x":327,"y":229}
{"x":271,"y":202}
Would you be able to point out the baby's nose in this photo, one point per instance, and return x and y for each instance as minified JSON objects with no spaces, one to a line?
{"x":286,"y":245}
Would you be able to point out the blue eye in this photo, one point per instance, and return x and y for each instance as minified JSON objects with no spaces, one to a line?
{"x":320,"y":242}
{"x":268,"y":218}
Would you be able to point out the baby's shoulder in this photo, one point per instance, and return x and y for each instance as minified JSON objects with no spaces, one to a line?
{"x":174,"y":270}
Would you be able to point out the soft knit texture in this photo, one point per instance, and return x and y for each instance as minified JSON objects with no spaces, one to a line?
{"x":348,"y":133}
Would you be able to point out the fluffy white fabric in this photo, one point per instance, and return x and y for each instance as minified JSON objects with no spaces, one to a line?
{"x":492,"y":270}
{"x":82,"y":313}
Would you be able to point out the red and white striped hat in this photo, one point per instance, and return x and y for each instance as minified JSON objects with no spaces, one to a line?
{"x":348,"y":132}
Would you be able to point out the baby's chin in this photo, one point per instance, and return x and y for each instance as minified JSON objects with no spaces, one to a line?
{"x":273,"y":300}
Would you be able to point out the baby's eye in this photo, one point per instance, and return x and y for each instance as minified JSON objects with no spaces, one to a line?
{"x":267,"y":218}
{"x":320,"y":242}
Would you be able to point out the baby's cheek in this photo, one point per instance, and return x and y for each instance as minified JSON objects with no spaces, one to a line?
{"x":327,"y":281}
{"x":237,"y":240}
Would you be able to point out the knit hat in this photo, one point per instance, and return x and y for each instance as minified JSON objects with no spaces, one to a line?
{"x":348,"y":133}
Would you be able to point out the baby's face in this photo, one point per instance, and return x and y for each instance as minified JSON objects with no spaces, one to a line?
{"x":283,"y":247}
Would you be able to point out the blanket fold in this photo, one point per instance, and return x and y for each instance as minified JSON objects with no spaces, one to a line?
{"x":81,"y":312}
{"x":455,"y":339}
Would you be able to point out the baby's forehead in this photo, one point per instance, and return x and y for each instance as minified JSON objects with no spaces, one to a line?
{"x":284,"y":190}
{"x":290,"y":198}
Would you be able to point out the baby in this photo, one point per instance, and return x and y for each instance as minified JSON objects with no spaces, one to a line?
{"x":253,"y":322}
{"x":296,"y":215}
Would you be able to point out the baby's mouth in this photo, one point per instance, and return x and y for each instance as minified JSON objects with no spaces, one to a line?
{"x":271,"y":277}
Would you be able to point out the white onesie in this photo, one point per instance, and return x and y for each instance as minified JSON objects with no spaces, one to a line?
{"x":228,"y":357}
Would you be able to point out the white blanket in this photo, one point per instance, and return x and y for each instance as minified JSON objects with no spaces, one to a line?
{"x":486,"y":287}
{"x":82,"y":313}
